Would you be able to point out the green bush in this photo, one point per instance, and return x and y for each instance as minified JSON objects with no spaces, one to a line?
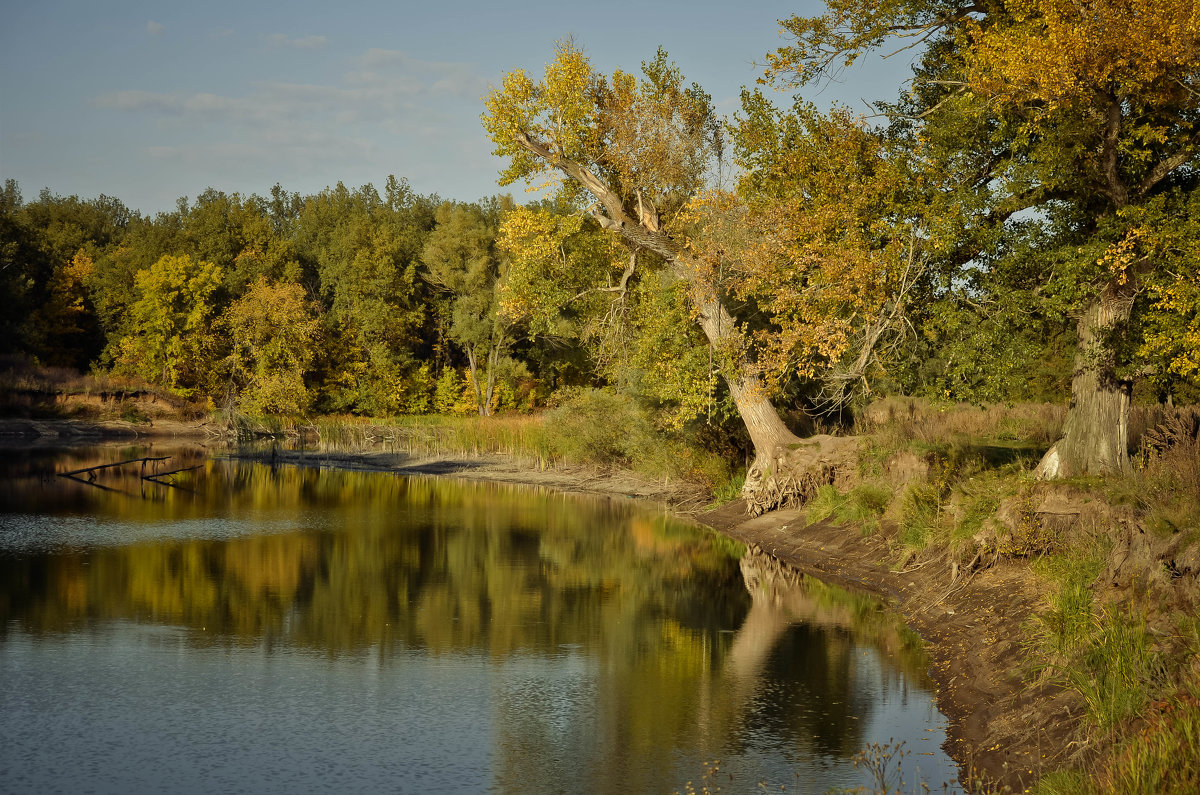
{"x":598,"y":427}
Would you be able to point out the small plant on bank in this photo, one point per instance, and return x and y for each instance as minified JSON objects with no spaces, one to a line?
{"x":863,"y":505}
{"x":729,"y":490}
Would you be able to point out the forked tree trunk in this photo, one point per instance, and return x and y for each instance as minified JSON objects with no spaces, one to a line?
{"x":1095,"y":438}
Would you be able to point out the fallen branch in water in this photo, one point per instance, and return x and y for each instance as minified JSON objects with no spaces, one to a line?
{"x":91,"y":471}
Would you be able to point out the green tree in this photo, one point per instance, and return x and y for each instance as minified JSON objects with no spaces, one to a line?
{"x":461,"y":261}
{"x":240,"y":235}
{"x":48,"y":248}
{"x":364,"y":252}
{"x":568,"y":280}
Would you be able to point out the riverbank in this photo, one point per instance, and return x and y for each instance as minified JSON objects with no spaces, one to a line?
{"x":1012,"y":639}
{"x":1003,"y":732}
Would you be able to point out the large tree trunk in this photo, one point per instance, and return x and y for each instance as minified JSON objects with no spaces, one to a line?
{"x":1095,"y":438}
{"x":768,"y":434}
{"x":786,"y":469}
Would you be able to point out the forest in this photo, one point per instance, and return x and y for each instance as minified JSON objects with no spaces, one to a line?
{"x":1021,"y":224}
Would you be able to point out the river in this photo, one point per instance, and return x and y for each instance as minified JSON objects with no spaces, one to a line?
{"x":242,"y":627}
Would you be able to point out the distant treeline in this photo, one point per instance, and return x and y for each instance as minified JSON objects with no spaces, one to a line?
{"x":341,"y":302}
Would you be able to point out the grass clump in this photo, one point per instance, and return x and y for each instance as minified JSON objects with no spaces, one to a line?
{"x":1108,"y":655}
{"x":730,"y":489}
{"x":1065,"y":627}
{"x":1119,"y":668}
{"x":863,"y":505}
{"x":1162,"y":757}
{"x":920,"y":516}
{"x":1159,"y":757}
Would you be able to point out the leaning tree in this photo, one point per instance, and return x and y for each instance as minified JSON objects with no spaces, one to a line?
{"x":639,"y":152}
{"x":641,"y":149}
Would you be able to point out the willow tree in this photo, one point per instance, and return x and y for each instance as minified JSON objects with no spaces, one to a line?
{"x":642,"y":149}
{"x":1082,"y":111}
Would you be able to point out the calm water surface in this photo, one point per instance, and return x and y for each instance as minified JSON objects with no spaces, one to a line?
{"x":265,"y":629}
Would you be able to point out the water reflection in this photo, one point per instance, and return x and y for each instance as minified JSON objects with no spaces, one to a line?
{"x":449,"y":636}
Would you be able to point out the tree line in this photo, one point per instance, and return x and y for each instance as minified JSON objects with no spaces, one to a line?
{"x":1026,"y":206}
{"x":347,"y":301}
{"x":1021,"y":223}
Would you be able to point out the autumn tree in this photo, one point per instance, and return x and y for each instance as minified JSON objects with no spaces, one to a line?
{"x":838,"y":234}
{"x":642,"y":148}
{"x":1081,"y":111}
{"x":271,"y":329}
{"x":169,"y":340}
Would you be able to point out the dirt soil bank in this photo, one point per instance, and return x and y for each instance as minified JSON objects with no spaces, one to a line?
{"x":1004,"y":732}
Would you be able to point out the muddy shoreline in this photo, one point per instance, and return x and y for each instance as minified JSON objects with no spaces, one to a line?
{"x":1005,"y":727}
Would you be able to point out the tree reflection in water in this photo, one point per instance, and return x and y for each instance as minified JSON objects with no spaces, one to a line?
{"x":622,"y":646}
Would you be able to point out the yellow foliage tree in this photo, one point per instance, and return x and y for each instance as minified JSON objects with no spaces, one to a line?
{"x":642,"y":147}
{"x":170,"y":341}
{"x":1083,"y":109}
{"x":271,"y":331}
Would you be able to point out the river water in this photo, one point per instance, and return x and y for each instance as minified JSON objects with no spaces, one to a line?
{"x":238,"y":627}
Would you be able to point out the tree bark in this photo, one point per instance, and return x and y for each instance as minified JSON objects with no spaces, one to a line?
{"x":1095,"y":438}
{"x":473,"y":370}
{"x":493,"y":362}
{"x":767,"y":432}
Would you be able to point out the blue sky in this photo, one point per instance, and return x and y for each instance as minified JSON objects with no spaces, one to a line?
{"x":149,"y":101}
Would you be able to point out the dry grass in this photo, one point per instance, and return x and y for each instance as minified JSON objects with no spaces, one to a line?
{"x":925,"y":421}
{"x":63,"y":393}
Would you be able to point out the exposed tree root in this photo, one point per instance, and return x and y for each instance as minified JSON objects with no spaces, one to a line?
{"x":793,"y":474}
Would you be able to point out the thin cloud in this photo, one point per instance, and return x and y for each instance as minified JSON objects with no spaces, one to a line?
{"x":280,"y":150}
{"x":155,"y":28}
{"x":443,"y":77}
{"x":138,"y":101}
{"x":392,"y":84}
{"x":302,"y":43}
